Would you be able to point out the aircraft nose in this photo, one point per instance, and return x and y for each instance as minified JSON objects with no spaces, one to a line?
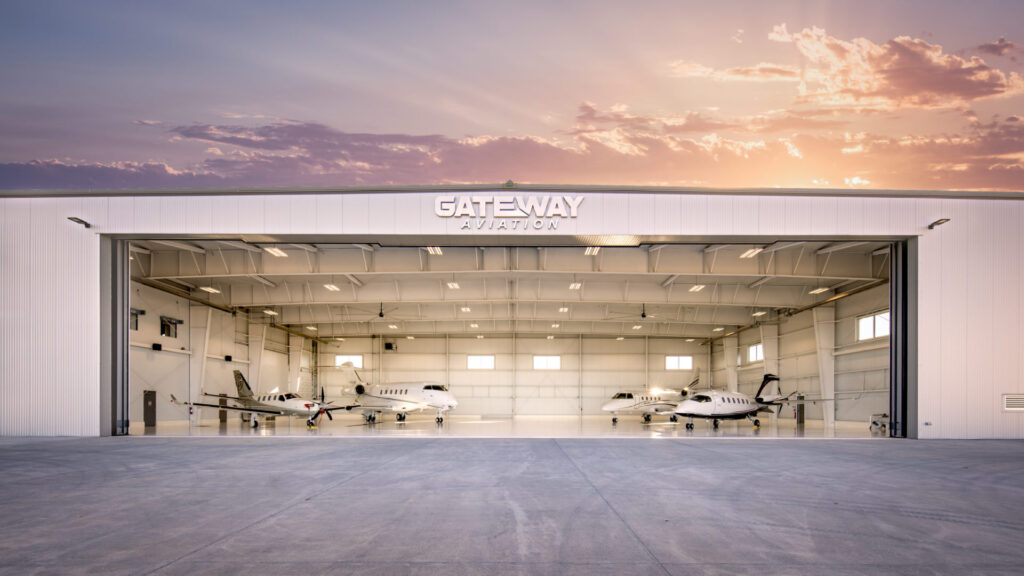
{"x":608,"y":406}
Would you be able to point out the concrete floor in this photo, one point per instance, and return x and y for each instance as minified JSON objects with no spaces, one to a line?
{"x":400,"y":505}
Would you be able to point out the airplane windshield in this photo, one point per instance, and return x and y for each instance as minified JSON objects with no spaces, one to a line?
{"x":623,"y":396}
{"x":702,"y":398}
{"x":439,"y":387}
{"x":289,"y":396}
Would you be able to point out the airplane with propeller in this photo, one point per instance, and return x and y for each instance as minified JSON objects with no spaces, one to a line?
{"x":399,"y":398}
{"x":276,"y":404}
{"x":718,"y":405}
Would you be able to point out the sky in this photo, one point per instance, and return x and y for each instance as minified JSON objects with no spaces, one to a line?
{"x":915,"y":95}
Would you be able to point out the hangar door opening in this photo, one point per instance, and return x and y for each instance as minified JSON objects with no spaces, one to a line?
{"x":512,"y":330}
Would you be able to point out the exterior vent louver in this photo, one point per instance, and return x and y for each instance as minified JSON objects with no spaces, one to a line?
{"x":1013,"y":402}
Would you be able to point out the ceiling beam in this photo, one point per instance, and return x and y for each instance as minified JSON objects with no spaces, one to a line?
{"x":840,"y":246}
{"x":180,"y":246}
{"x":241,"y":245}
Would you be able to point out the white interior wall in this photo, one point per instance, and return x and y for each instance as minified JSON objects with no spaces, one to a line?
{"x":513,"y":386}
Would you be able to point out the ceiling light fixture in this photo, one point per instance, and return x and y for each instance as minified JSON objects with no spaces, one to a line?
{"x":453,"y":285}
{"x":479,"y":336}
{"x":209,"y":289}
{"x":410,"y":337}
{"x":575,"y":285}
{"x":550,"y":337}
{"x":555,"y":325}
{"x":818,"y":291}
{"x":474,"y":325}
{"x":592,"y":250}
{"x":751,"y":252}
{"x":332,"y":287}
{"x":434,"y":250}
{"x":311,"y":327}
{"x":275,"y":251}
{"x":719,"y":329}
{"x":270,"y":312}
{"x":931,"y":226}
{"x":340,"y":339}
{"x":563,"y":309}
{"x":393,"y":327}
{"x":759,"y":313}
{"x":689,"y":339}
{"x":637,"y":327}
{"x":466,"y":309}
{"x":620,"y":338}
{"x":697,"y":288}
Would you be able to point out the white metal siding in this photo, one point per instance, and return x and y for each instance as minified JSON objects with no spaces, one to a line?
{"x":971,"y":278}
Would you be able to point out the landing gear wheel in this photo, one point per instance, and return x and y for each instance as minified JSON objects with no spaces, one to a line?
{"x":615,"y":420}
{"x":757,"y":423}
{"x":439,"y":420}
{"x":647,"y":418}
{"x":400,"y":417}
{"x":689,"y":426}
{"x":672,"y":418}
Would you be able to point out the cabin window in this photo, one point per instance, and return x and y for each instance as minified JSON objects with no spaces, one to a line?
{"x":547,"y":362}
{"x":678,"y":362}
{"x":480,"y":362}
{"x":355,"y":359}
{"x":873,"y":326}
{"x":755,"y":353}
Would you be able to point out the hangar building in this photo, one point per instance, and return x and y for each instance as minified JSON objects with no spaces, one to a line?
{"x":524,"y":300}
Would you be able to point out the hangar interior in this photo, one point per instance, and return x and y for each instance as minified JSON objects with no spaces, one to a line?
{"x":511,"y":330}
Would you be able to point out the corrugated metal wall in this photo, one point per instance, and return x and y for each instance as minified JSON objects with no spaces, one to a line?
{"x":970,"y":300}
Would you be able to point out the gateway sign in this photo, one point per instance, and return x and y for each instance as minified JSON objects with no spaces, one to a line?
{"x":508,"y":212}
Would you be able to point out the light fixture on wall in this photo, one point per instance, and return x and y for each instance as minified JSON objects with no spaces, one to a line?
{"x":931,"y":226}
{"x":78,"y":220}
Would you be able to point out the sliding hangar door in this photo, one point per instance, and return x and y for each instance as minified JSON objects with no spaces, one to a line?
{"x":549,"y":319}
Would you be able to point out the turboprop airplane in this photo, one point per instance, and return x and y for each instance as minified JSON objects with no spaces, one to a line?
{"x":288,"y":404}
{"x":716,"y":405}
{"x":398,"y":397}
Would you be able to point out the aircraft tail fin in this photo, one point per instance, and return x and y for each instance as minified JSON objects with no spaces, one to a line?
{"x":243,"y":387}
{"x":764,"y":383}
{"x":354,"y":382}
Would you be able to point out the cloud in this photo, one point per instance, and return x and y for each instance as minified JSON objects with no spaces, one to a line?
{"x":147,"y":122}
{"x":903,"y":72}
{"x":605,"y":146}
{"x":1000,"y":47}
{"x":737,"y":37}
{"x":759,"y":72}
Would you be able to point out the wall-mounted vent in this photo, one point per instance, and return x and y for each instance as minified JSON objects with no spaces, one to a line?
{"x":1013,"y":402}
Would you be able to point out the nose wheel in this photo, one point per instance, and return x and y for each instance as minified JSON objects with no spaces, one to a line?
{"x":647,"y":418}
{"x":400,"y":417}
{"x":672,"y":418}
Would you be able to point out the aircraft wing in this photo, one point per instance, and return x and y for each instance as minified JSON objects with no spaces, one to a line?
{"x":234,"y":408}
{"x":348,"y":407}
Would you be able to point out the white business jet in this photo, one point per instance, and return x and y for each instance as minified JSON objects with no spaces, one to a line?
{"x":717,"y":405}
{"x":398,"y":397}
{"x":288,"y":404}
{"x":648,"y":402}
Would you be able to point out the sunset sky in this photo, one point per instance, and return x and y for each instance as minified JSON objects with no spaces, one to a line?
{"x":865,"y":94}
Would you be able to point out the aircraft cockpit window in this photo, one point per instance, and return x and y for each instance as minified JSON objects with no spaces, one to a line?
{"x":443,"y":388}
{"x":623,"y":396}
{"x":702,"y":398}
{"x":281,"y":398}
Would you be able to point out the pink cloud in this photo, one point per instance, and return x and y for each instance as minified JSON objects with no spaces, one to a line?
{"x":1000,"y":47}
{"x":903,"y":72}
